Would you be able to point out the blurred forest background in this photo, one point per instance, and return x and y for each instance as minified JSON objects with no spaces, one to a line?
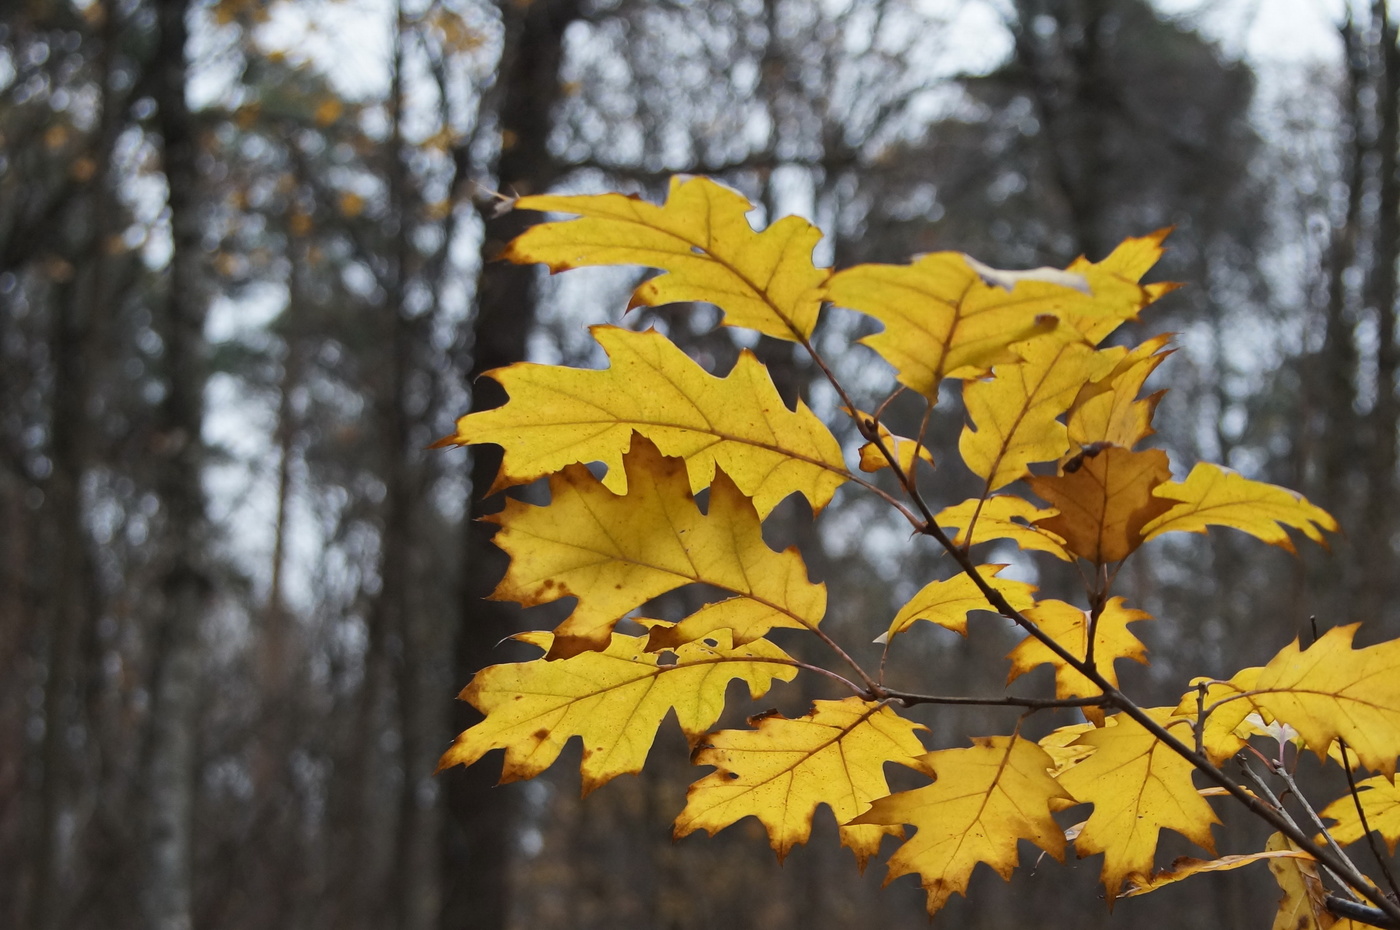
{"x":242,"y":286}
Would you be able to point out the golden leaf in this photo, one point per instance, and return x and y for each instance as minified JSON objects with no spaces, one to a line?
{"x":1138,"y":787}
{"x":560,"y":416}
{"x":1105,"y":502}
{"x":947,"y":603}
{"x":1013,"y":415}
{"x":906,"y":451}
{"x":1108,"y":410}
{"x":614,"y":552}
{"x":782,"y":770}
{"x":1003,"y":516}
{"x":1380,"y":799}
{"x":1069,"y":626}
{"x":1301,"y":907}
{"x":702,"y":239}
{"x":985,"y":800}
{"x":1132,"y":259}
{"x":614,"y":700}
{"x":1326,"y":692}
{"x":943,"y":320}
{"x":1215,"y":496}
{"x":1063,"y":746}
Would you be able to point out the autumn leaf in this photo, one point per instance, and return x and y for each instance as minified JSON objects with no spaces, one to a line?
{"x":944,"y":320}
{"x":1380,"y":799}
{"x":941,"y":319}
{"x":1068,"y":626}
{"x":701,"y":238}
{"x":1013,"y":415}
{"x":560,"y":416}
{"x":1063,"y":746}
{"x":905,"y":451}
{"x":1129,"y":261}
{"x":1002,"y":516}
{"x":1105,"y":502}
{"x":614,"y":700}
{"x":947,"y":603}
{"x":985,"y":800}
{"x":1138,"y":787}
{"x":1184,"y":867}
{"x":1215,"y":496}
{"x":1109,"y":410}
{"x":1326,"y":692}
{"x":1301,"y":907}
{"x":782,"y":770}
{"x":614,"y":553}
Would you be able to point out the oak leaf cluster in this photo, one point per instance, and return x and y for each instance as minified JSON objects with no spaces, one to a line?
{"x":1056,"y":423}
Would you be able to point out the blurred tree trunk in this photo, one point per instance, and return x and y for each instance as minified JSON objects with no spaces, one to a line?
{"x":412,"y":885}
{"x":477,"y":840}
{"x":81,"y":304}
{"x":184,"y":586}
{"x":1072,"y":98}
{"x":1378,"y":516}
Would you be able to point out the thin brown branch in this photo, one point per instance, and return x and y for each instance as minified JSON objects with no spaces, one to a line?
{"x":1351,"y":910}
{"x":909,"y":699}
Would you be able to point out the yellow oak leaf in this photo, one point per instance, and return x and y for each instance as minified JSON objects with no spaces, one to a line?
{"x":701,"y":238}
{"x":1302,"y":906}
{"x":1184,"y":867}
{"x":559,"y":416}
{"x":614,"y":700}
{"x":614,"y":552}
{"x":1013,"y":415}
{"x":1138,"y":787}
{"x":1064,"y":748}
{"x":783,"y":769}
{"x":1215,"y":496}
{"x":1326,"y":692}
{"x":943,"y":319}
{"x":1002,"y":516}
{"x":1109,"y":410}
{"x":1380,"y":799}
{"x":985,"y":799}
{"x":1104,"y":499}
{"x":906,"y":451}
{"x":947,"y":603}
{"x":1068,"y":625}
{"x":1132,"y":259}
